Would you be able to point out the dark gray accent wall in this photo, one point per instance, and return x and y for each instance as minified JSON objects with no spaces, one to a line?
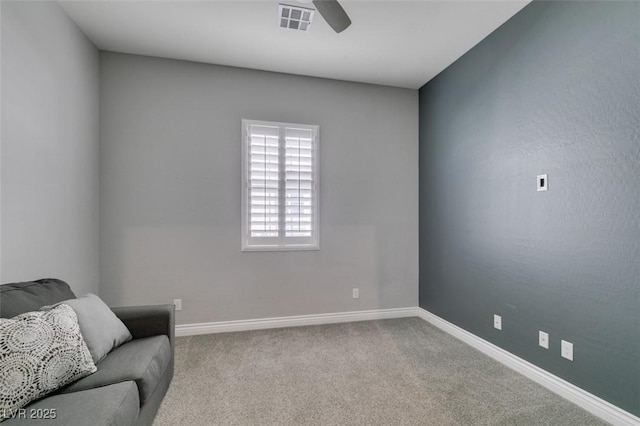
{"x":555,"y":90}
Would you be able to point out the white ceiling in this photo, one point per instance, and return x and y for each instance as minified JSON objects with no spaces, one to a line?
{"x":394,"y":43}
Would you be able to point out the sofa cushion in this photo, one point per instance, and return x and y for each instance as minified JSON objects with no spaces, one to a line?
{"x":18,"y":298}
{"x":142,"y":360}
{"x":117,"y":404}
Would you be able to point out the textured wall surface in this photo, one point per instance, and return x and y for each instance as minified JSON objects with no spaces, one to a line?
{"x":170,"y":191}
{"x":50,"y":140}
{"x":554,"y":90}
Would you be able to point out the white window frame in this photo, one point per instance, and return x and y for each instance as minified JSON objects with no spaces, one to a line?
{"x":280,"y":243}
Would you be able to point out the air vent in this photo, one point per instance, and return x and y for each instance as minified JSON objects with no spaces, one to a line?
{"x":295,"y":18}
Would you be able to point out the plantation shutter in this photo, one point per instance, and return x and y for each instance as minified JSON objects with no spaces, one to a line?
{"x":264,"y":181}
{"x":299,"y":182}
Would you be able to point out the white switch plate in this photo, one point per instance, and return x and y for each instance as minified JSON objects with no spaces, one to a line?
{"x":178,"y":304}
{"x":567,"y":350}
{"x":497,"y":322}
{"x":542,"y":182}
{"x":543,"y":339}
{"x":356,"y":293}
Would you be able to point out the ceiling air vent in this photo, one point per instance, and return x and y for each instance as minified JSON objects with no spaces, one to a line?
{"x":295,"y":18}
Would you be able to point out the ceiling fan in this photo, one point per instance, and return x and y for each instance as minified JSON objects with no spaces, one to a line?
{"x":332,"y":12}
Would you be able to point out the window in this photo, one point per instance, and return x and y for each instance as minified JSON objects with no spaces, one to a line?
{"x":279,"y":186}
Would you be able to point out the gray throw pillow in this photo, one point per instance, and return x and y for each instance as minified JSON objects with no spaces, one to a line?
{"x":100,"y":327}
{"x":39,"y":353}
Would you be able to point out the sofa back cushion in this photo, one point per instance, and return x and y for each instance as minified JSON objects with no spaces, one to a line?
{"x":18,"y":298}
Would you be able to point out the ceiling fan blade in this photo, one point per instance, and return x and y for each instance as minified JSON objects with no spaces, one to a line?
{"x":333,"y":13}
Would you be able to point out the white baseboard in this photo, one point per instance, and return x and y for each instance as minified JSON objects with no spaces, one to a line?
{"x":293,"y":321}
{"x":581,"y":398}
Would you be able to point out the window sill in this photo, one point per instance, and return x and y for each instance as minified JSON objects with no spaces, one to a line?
{"x":280,"y":248}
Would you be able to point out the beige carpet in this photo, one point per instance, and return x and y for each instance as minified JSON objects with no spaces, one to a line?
{"x":391,"y":372}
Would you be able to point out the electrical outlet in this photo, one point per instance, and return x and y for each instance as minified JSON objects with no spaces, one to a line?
{"x":543,"y":339}
{"x":178,"y":304}
{"x":567,"y":350}
{"x":356,"y":293}
{"x":497,"y":322}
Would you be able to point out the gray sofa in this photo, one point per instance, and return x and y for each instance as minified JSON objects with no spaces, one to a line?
{"x":130,"y":382}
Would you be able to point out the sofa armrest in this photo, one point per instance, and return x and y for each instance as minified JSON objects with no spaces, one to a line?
{"x":145,"y":321}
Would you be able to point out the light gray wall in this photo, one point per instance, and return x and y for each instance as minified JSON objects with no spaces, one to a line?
{"x":170,"y":191}
{"x":50,"y":136}
{"x":555,"y":90}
